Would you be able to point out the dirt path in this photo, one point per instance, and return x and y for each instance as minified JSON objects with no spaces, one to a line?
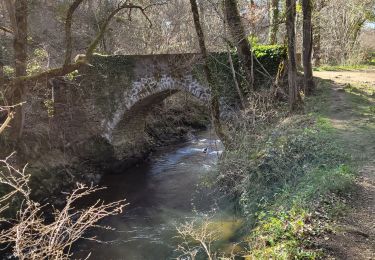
{"x":352,"y":113}
{"x":365,"y":76}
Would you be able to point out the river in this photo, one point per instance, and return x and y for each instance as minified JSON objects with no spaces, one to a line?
{"x":162,"y":192}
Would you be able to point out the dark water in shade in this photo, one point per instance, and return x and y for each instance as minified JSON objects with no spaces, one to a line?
{"x":162,"y":192}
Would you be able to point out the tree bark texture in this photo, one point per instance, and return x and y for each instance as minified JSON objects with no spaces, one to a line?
{"x":20,"y":64}
{"x":318,"y":6}
{"x":239,"y":37}
{"x":292,"y":65}
{"x":274,"y":21}
{"x":307,"y":47}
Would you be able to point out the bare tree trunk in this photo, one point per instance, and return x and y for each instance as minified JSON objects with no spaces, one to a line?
{"x":318,"y":6}
{"x":274,"y":21}
{"x":292,"y":65}
{"x":19,"y":9}
{"x":1,"y":62}
{"x":9,"y":4}
{"x":68,"y":31}
{"x":316,"y":45}
{"x":215,"y":108}
{"x":1,"y":70}
{"x":238,"y":34}
{"x":307,"y":47}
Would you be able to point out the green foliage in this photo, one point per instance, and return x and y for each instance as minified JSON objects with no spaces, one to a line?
{"x":279,"y":235}
{"x":72,"y":75}
{"x":371,"y":58}
{"x":268,"y":58}
{"x":40,"y":53}
{"x":50,"y":106}
{"x":37,"y":61}
{"x":299,"y":7}
{"x":253,"y":40}
{"x":279,"y":174}
{"x":297,"y":160}
{"x":8,"y":71}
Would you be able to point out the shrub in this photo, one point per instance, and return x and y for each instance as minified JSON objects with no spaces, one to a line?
{"x":296,"y":161}
{"x":270,"y":56}
{"x":267,"y":59}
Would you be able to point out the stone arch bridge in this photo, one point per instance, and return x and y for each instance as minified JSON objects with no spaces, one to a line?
{"x":120,"y":90}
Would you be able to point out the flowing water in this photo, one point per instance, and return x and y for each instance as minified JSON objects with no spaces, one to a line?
{"x":161,"y":192}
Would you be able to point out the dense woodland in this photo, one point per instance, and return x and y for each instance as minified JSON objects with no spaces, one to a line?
{"x":296,"y":146}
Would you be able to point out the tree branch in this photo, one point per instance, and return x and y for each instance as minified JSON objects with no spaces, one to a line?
{"x":6,"y":122}
{"x":57,"y":72}
{"x":106,"y":22}
{"x":70,"y":67}
{"x":7,"y":30}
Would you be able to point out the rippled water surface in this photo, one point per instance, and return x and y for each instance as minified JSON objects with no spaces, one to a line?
{"x":161,"y":192}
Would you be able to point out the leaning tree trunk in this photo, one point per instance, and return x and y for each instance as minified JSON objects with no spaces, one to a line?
{"x":214,"y":105}
{"x":292,"y":65}
{"x":18,"y":13}
{"x":238,"y":34}
{"x":307,"y":47}
{"x":274,"y":21}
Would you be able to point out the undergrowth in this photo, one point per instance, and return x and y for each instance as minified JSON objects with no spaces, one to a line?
{"x":280,"y":174}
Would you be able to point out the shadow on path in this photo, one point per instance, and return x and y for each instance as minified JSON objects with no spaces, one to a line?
{"x":352,"y":113}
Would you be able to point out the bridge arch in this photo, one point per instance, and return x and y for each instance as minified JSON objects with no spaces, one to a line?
{"x":126,"y":127}
{"x":121,"y":90}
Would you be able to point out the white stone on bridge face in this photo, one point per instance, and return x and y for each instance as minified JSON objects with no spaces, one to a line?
{"x":147,"y":87}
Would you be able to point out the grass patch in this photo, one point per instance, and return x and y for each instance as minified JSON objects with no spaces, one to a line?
{"x":363,"y":96}
{"x":362,"y":89}
{"x":279,"y":235}
{"x":345,"y":67}
{"x":281,"y":174}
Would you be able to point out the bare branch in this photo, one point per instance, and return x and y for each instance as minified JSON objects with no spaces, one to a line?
{"x":6,"y":122}
{"x":10,"y":116}
{"x":106,"y":22}
{"x":5,"y":29}
{"x":34,"y":238}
